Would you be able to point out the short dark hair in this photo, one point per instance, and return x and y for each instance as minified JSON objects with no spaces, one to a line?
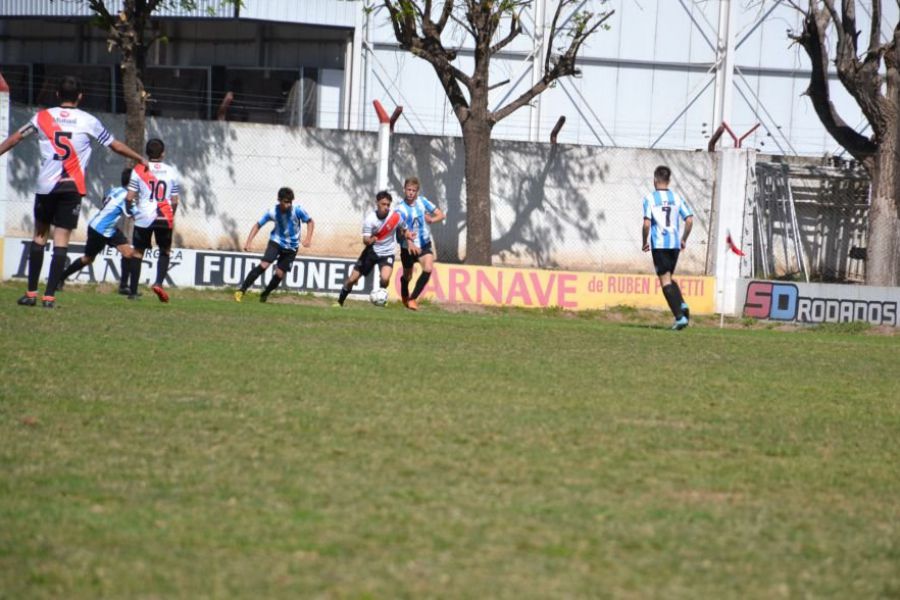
{"x":286,"y":193}
{"x":383,"y":194}
{"x":69,"y":89}
{"x":126,"y":177}
{"x":155,"y":148}
{"x":662,"y":174}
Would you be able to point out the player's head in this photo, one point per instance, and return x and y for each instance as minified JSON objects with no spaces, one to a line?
{"x":411,"y":188}
{"x":285,"y":198}
{"x":382,"y":204}
{"x":155,"y":149}
{"x":661,"y":175}
{"x":126,"y":177}
{"x":69,"y":90}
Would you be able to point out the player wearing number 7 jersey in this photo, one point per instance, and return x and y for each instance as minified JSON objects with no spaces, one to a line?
{"x":664,"y":211}
{"x":155,"y":193}
{"x":64,"y":137}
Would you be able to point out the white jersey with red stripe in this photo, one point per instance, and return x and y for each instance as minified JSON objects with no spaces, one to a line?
{"x":155,"y":187}
{"x":65,"y":143}
{"x":384,"y":230}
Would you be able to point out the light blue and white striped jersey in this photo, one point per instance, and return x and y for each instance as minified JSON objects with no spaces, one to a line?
{"x":287,"y":225}
{"x":114,"y":207}
{"x":414,"y":216}
{"x":666,"y":210}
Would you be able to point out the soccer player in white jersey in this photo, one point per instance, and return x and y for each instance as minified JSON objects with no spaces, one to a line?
{"x":664,"y":210}
{"x":284,"y":242}
{"x":103,"y":230}
{"x":155,"y":192}
{"x":379,"y":233}
{"x":418,"y":213}
{"x":64,"y":137}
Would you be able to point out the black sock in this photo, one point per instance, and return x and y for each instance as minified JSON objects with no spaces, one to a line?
{"x":344,"y":293}
{"x":134,"y":273}
{"x":76,"y":266}
{"x":404,"y":287}
{"x":421,"y":282}
{"x":57,"y":265}
{"x":276,"y":280}
{"x":162,"y":267}
{"x":251,"y":277}
{"x":123,"y":273}
{"x":35,"y":264}
{"x":673,"y":298}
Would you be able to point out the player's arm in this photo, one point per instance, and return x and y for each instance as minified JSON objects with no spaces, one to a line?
{"x":130,"y":200}
{"x":10,"y":142}
{"x":123,"y":150}
{"x":435,"y":216}
{"x":253,"y":231}
{"x":175,"y":199}
{"x":310,"y":227}
{"x":688,"y":224}
{"x":645,"y":235}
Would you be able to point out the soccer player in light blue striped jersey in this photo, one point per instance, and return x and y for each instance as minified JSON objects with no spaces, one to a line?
{"x":419,"y":213}
{"x":284,"y":242}
{"x":664,"y":211}
{"x":103,"y":230}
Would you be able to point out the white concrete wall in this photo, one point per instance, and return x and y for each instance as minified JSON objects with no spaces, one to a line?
{"x":571,"y":207}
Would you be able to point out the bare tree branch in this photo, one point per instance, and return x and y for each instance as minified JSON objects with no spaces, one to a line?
{"x":564,"y":66}
{"x":812,"y":40}
{"x":515,"y":28}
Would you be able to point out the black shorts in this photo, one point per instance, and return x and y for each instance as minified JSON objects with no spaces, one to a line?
{"x":665,"y":260}
{"x":140,"y":239}
{"x":282,"y":257}
{"x":96,"y":242}
{"x":368,"y":259}
{"x":408,"y":260}
{"x":60,"y":209}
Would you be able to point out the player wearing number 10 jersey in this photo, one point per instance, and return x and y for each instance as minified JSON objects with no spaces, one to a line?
{"x":155,"y":193}
{"x":64,"y":135}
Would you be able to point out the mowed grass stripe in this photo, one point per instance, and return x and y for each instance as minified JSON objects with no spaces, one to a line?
{"x":209,"y":449}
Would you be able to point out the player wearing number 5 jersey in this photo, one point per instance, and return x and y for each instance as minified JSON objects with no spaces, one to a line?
{"x":155,"y":193}
{"x":664,"y":210}
{"x":64,"y":137}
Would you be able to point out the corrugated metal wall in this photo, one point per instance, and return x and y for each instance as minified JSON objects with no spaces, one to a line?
{"x":336,"y":13}
{"x":318,"y":12}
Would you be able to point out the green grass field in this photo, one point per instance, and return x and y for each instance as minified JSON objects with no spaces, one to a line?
{"x":209,"y":449}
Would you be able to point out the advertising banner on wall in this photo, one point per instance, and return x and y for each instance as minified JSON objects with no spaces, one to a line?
{"x":819,"y":302}
{"x":492,"y":286}
{"x":193,"y":268}
{"x":532,"y":288}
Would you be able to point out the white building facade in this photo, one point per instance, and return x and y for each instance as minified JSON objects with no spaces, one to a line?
{"x":665,"y":74}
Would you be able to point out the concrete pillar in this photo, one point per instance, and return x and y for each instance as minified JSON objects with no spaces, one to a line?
{"x":732,"y":177}
{"x":725,"y":72}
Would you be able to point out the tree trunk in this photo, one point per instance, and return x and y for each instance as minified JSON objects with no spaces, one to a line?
{"x":883,"y":251}
{"x":477,"y":142}
{"x":133,"y":91}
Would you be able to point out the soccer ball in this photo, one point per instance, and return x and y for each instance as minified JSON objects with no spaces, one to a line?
{"x":378,"y":297}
